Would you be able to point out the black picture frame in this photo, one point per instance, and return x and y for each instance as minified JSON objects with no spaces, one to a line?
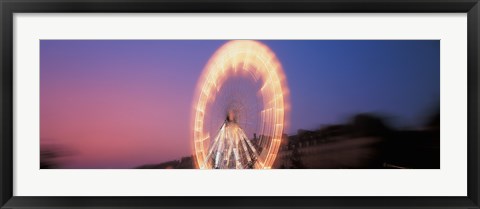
{"x":9,"y":7}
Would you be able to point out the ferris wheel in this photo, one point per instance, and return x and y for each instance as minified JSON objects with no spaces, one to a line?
{"x":240,"y":108}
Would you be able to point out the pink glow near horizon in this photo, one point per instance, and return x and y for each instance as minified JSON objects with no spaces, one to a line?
{"x":112,"y":113}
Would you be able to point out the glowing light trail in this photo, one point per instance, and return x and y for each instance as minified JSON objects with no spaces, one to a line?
{"x":230,"y":147}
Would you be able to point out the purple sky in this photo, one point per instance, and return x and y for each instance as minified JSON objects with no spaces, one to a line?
{"x":122,"y":104}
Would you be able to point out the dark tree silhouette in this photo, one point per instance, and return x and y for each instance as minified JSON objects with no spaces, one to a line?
{"x":370,"y":125}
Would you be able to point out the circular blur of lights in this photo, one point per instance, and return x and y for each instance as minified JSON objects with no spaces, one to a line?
{"x":242,"y":92}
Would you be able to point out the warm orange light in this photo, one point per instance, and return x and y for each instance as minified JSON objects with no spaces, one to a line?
{"x":230,"y":58}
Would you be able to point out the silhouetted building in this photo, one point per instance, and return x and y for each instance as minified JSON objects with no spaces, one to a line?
{"x":365,"y":142}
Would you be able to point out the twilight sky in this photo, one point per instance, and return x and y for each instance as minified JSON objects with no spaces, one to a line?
{"x":122,"y":104}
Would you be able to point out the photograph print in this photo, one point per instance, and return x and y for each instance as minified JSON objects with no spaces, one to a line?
{"x":239,"y":104}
